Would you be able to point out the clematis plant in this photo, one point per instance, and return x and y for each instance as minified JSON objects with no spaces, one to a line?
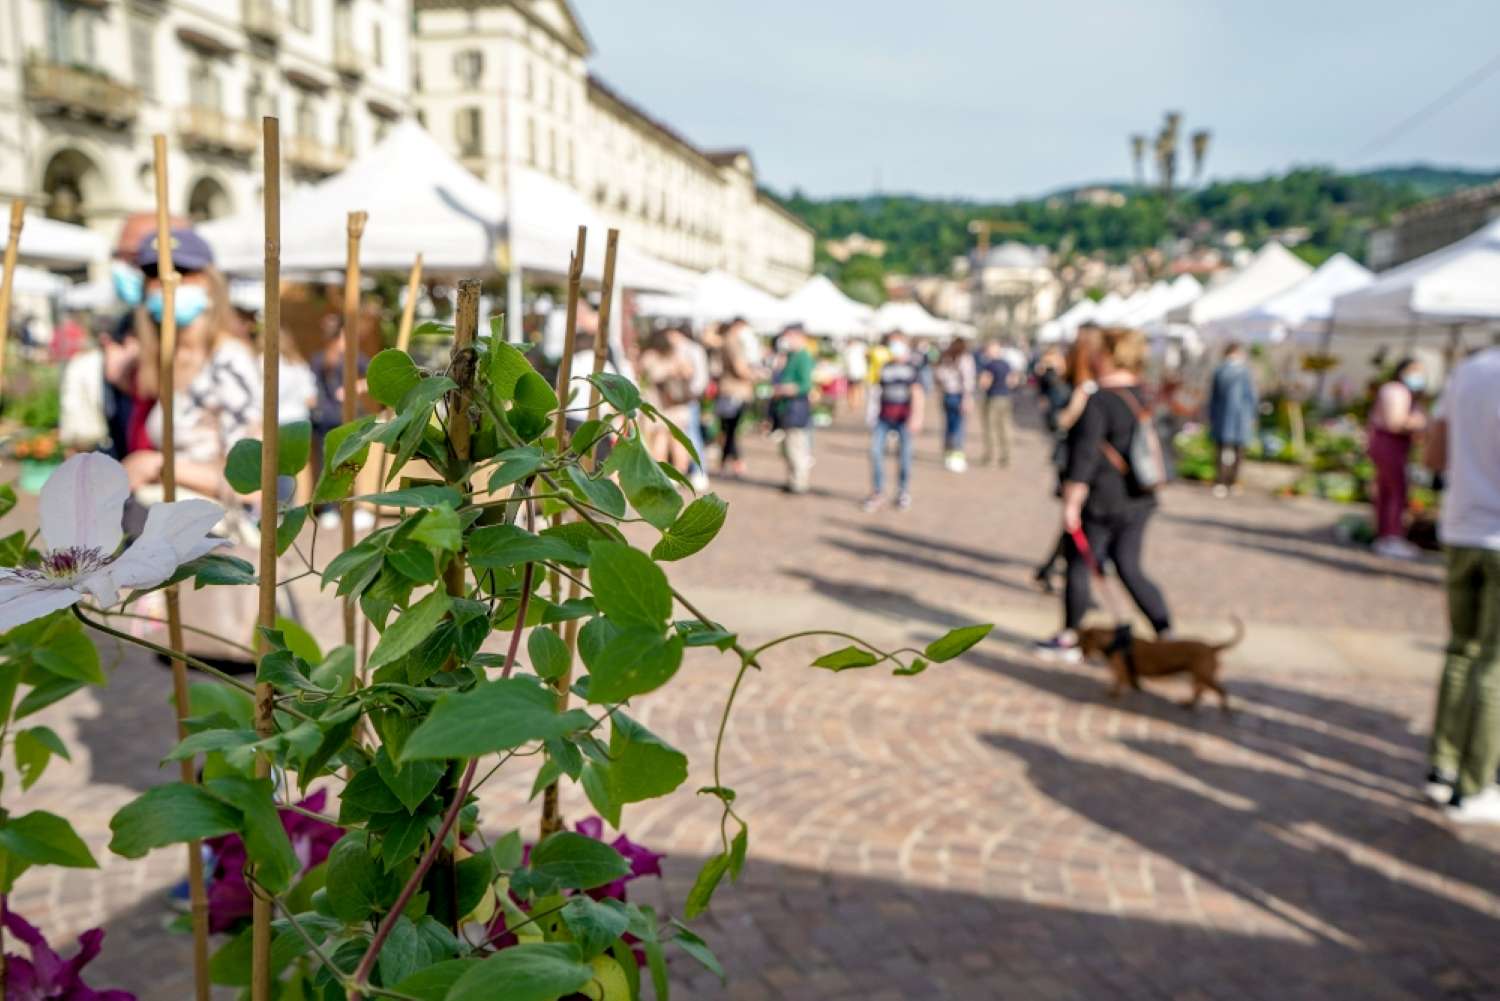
{"x":46,"y":976}
{"x":82,"y":508}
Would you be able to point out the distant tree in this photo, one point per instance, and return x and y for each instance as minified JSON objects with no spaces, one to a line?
{"x":863,"y":278}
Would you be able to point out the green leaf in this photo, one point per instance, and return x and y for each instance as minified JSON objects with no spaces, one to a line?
{"x":917,"y":666}
{"x":492,"y":716}
{"x":292,"y":520}
{"x":440,"y":529}
{"x":33,"y":749}
{"x":507,"y":366}
{"x":390,"y":376}
{"x":366,"y":795}
{"x":283,"y":671}
{"x":845,"y":658}
{"x":515,"y":465}
{"x":594,"y":925}
{"x":694,"y":529}
{"x":42,"y":838}
{"x":70,"y":654}
{"x":550,"y":656}
{"x":695,"y":633}
{"x":242,"y":466}
{"x":403,"y":838}
{"x":336,"y":671}
{"x":641,"y":766}
{"x":600,"y":492}
{"x":414,"y":562}
{"x":694,"y":946}
{"x":167,"y":815}
{"x":299,"y":640}
{"x":208,"y":741}
{"x":676,"y":432}
{"x":410,"y":628}
{"x":637,"y":660}
{"x":956,"y":642}
{"x":413,"y":782}
{"x":402,"y":953}
{"x":346,"y":449}
{"x":737,"y":851}
{"x":423,"y":496}
{"x":646,"y":486}
{"x":266,"y":840}
{"x":575,"y":862}
{"x":704,"y":886}
{"x":628,"y":586}
{"x":7,"y":499}
{"x":495,"y":547}
{"x":534,"y":395}
{"x":13,"y":551}
{"x":356,"y":887}
{"x":436,"y":981}
{"x":619,"y":392}
{"x":530,"y":971}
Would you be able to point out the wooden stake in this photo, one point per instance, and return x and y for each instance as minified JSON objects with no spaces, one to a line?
{"x":409,"y":311}
{"x":265,"y":723}
{"x":551,"y":811}
{"x":351,"y":384}
{"x":12,"y":248}
{"x":167,"y":357}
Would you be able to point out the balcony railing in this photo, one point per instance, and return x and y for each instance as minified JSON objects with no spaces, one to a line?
{"x":81,"y":92}
{"x":314,"y":157}
{"x":211,"y":129}
{"x":263,"y":20}
{"x":347,"y":59}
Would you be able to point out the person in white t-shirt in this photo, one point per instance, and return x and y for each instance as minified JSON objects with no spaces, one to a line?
{"x":1464,"y":444}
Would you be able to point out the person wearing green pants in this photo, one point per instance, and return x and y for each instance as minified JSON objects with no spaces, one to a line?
{"x":1464,"y":443}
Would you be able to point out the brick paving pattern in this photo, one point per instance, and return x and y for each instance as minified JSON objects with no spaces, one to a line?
{"x":995,"y":828}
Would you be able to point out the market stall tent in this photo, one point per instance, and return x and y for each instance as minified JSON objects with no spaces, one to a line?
{"x":823,"y":309}
{"x":716,"y":297}
{"x":1458,"y":284}
{"x":911,"y":319}
{"x":1063,"y":327}
{"x":1273,"y":270}
{"x":1302,"y":312}
{"x":51,"y":243}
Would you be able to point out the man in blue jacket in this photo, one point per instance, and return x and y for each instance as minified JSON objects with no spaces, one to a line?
{"x":1232,"y":415}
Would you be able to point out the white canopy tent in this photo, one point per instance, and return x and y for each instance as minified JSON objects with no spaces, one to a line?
{"x":1302,"y":312}
{"x":420,"y":199}
{"x":1273,"y":270}
{"x":822,"y":308}
{"x":911,"y":319}
{"x":1063,"y":327}
{"x":51,"y":243}
{"x":718,"y":296}
{"x":37,"y":282}
{"x":1159,"y":300}
{"x":1459,"y":284}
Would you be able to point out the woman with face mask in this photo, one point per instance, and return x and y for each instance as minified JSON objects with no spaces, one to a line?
{"x":215,"y":372}
{"x":1395,"y":419}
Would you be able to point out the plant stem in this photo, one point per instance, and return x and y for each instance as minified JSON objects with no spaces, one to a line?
{"x":184,"y":626}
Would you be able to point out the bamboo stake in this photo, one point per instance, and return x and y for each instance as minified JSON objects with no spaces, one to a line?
{"x":167,"y":358}
{"x":265,"y":724}
{"x":351,"y":381}
{"x":551,"y":812}
{"x":409,"y":311}
{"x":12,"y":248}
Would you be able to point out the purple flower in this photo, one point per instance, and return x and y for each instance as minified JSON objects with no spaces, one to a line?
{"x":46,"y":976}
{"x":229,"y":899}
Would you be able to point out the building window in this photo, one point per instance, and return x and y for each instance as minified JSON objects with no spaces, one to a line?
{"x":551,"y":91}
{"x":255,"y":97}
{"x":552,"y":151}
{"x":468,"y":65}
{"x":382,"y":126}
{"x":302,"y":15}
{"x":70,"y":33}
{"x":203,"y":85}
{"x":530,"y":80}
{"x":422,"y":118}
{"x":346,"y":130}
{"x":570,"y":160}
{"x":377,"y":44}
{"x":468,"y":129}
{"x":142,"y":58}
{"x":307,"y":118}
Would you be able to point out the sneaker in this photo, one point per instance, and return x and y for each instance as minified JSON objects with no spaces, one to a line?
{"x":1059,"y":649}
{"x":1221,"y":491}
{"x":960,"y":463}
{"x":1438,"y":789}
{"x":903,"y":501}
{"x":874,"y":502}
{"x":1395,"y":548}
{"x":699,"y":480}
{"x":1481,"y":808}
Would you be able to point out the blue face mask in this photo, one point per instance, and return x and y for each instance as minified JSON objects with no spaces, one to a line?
{"x":129,"y":283}
{"x":1415,"y":382}
{"x":189,"y":304}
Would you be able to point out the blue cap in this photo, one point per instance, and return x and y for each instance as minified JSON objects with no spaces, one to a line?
{"x":190,"y":252}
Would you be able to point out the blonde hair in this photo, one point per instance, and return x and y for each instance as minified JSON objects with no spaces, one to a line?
{"x":1126,"y":348}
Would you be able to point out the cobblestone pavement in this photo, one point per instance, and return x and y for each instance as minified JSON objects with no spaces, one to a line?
{"x":995,"y":828}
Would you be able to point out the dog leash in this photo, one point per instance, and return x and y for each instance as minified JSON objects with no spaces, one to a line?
{"x":1123,"y":638}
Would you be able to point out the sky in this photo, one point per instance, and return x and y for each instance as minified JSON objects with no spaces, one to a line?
{"x":1003,"y":99}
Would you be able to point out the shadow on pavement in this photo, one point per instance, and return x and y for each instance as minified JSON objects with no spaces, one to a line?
{"x":127,"y":743}
{"x":928,"y":543}
{"x":913,"y":557}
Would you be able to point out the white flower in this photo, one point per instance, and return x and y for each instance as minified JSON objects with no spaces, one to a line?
{"x":83,"y":503}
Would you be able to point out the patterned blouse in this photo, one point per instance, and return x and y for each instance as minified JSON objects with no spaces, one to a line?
{"x":219,"y":407}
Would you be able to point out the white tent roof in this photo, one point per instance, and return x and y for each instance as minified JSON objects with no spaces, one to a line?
{"x":1273,"y":270}
{"x":48,"y":241}
{"x":420,"y":199}
{"x":36,"y":281}
{"x":1159,"y":300}
{"x":1458,"y":284}
{"x":911,"y":319}
{"x":1305,"y":308}
{"x":718,"y":296}
{"x":824,"y":309}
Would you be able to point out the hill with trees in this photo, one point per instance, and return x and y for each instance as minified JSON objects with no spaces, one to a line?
{"x":1333,"y":211}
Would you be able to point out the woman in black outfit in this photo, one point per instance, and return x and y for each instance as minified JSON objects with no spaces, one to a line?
{"x":1107,"y":504}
